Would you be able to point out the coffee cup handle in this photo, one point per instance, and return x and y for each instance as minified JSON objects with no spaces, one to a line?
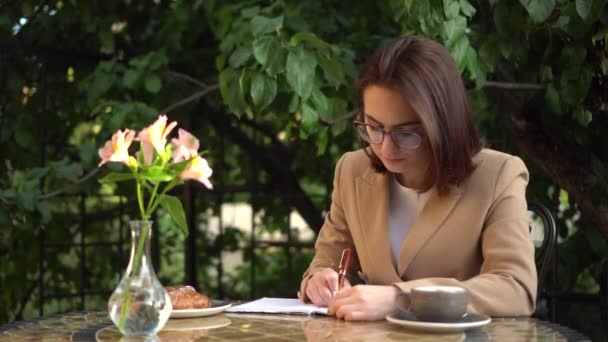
{"x":403,"y":301}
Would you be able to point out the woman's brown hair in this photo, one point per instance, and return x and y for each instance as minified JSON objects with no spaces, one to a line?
{"x":428,"y":77}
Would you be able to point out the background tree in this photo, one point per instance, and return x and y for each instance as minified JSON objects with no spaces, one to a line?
{"x":270,"y":86}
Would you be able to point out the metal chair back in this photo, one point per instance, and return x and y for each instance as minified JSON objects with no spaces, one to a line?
{"x":545,"y":258}
{"x":545,"y":254}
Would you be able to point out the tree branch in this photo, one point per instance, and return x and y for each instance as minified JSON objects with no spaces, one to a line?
{"x":187,"y":78}
{"x":572,"y":168}
{"x":514,"y":86}
{"x":348,"y":116}
{"x":4,"y":200}
{"x":69,"y":187}
{"x":275,"y":160}
{"x":191,"y":98}
{"x":24,"y":300}
{"x":29,"y":20}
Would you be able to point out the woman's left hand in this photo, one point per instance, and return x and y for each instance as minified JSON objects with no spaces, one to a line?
{"x":364,"y":302}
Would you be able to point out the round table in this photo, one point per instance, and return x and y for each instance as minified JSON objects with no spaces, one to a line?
{"x":96,"y":326}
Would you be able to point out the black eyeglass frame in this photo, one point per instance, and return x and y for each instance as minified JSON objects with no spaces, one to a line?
{"x":367,"y":138}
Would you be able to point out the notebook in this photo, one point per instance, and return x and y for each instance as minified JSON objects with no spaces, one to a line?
{"x":279,"y":305}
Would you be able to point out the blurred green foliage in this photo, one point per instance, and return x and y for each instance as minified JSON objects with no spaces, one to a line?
{"x":268,"y":87}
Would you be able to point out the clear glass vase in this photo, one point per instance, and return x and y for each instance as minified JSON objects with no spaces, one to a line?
{"x":140,"y":305}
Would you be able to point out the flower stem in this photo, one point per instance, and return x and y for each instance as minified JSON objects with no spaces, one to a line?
{"x":152,"y":198}
{"x":127,"y":300}
{"x":123,"y":311}
{"x":140,"y":199}
{"x":169,"y":186}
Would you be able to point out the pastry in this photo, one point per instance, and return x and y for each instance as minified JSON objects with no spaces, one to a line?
{"x":185,"y":297}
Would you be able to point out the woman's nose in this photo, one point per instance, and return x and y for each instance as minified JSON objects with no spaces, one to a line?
{"x":388,"y":145}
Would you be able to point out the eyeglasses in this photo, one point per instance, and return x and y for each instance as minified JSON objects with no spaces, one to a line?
{"x":374,"y":135}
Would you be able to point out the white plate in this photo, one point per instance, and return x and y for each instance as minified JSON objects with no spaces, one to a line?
{"x":217,"y":306}
{"x":408,"y":320}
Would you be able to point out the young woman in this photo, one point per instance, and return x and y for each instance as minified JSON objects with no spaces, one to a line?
{"x":423,"y":203}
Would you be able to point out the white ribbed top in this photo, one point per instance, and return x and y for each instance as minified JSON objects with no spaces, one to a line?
{"x":405,"y":206}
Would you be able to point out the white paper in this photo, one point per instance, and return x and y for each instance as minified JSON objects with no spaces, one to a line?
{"x":279,"y":305}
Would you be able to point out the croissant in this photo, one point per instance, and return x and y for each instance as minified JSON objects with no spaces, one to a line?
{"x":186,"y":297}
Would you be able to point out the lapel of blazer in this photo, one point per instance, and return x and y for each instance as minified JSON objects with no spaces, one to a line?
{"x":435,"y":211}
{"x":372,"y":193}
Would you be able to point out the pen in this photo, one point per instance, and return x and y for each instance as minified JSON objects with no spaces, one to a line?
{"x":343,"y":266}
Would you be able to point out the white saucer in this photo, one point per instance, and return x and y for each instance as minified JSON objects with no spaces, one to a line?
{"x":410,"y":321}
{"x":197,"y":323}
{"x":217,"y":306}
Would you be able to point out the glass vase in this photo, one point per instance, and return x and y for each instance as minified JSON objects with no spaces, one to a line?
{"x":140,"y":305}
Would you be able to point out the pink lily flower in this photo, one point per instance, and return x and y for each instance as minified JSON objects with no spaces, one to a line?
{"x":186,"y":146}
{"x":198,"y":169}
{"x":182,"y":153}
{"x":155,"y":135}
{"x":117,"y":149}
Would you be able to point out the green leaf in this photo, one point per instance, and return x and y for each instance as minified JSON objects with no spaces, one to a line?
{"x":476,"y":71}
{"x":250,"y":12}
{"x":10,"y":193}
{"x":583,"y":8}
{"x":261,"y":25}
{"x":69,"y":172}
{"x":114,"y":177}
{"x":467,"y":9}
{"x":24,"y":138}
{"x":157,"y":60}
{"x":489,"y":52}
{"x":583,"y":117}
{"x":263,"y":90}
{"x":87,"y":151}
{"x":310,"y":38}
{"x":539,"y":10}
{"x":268,"y":52}
{"x":451,"y":8}
{"x":501,"y":17}
{"x":156,"y":174}
{"x":322,"y":141}
{"x":333,"y":71}
{"x":301,"y":65}
{"x":37,"y":173}
{"x":294,"y":103}
{"x":337,"y":107}
{"x":239,"y":56}
{"x":574,"y":90}
{"x":319,"y":101}
{"x":102,"y":82}
{"x":454,"y":29}
{"x":459,"y":51}
{"x":552,"y":99}
{"x":106,"y":39}
{"x":310,"y":118}
{"x":4,"y":218}
{"x":546,"y":73}
{"x":262,"y":48}
{"x":230,"y":90}
{"x":176,"y":210}
{"x":44,"y":210}
{"x":130,"y":78}
{"x":27,"y":199}
{"x":244,"y":81}
{"x":573,"y":56}
{"x":153,"y":83}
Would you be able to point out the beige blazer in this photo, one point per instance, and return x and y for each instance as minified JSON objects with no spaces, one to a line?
{"x":476,"y":236}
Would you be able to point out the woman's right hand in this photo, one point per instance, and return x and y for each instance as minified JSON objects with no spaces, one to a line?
{"x":322,"y":286}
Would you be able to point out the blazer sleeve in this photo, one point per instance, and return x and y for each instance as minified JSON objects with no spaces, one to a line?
{"x":506,"y":285}
{"x":334,"y":235}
